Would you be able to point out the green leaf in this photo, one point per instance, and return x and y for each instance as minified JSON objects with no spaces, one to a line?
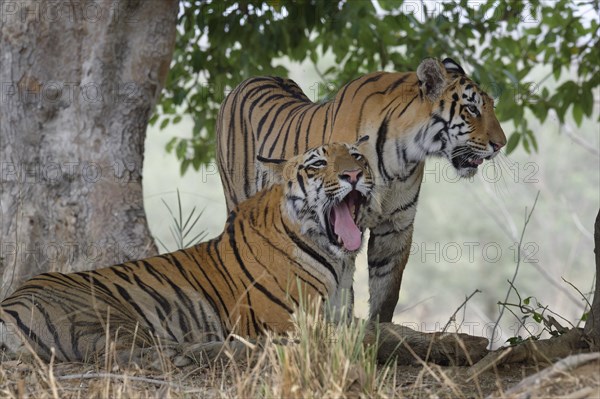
{"x":540,"y":110}
{"x":584,"y":317}
{"x":515,"y":340}
{"x":512,"y":142}
{"x":181,"y":149}
{"x":153,"y":119}
{"x":388,"y":4}
{"x":577,"y":114}
{"x":537,"y":317}
{"x":532,"y":139}
{"x":556,"y":69}
{"x":313,"y":57}
{"x":525,"y":142}
{"x":185,"y":164}
{"x":197,"y":59}
{"x":197,"y":127}
{"x":587,"y":100}
{"x":171,"y":144}
{"x":164,"y":123}
{"x":526,"y":300}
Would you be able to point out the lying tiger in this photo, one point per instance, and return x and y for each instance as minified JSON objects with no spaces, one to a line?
{"x":293,"y":241}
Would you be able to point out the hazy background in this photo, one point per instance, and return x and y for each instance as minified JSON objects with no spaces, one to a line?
{"x":466,"y":231}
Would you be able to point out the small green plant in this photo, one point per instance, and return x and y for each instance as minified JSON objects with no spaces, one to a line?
{"x":586,"y":297}
{"x":182,"y":229}
{"x":514,"y":277}
{"x":532,"y":309}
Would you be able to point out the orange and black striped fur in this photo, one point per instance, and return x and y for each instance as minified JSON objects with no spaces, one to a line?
{"x":435,"y":111}
{"x":278,"y":245}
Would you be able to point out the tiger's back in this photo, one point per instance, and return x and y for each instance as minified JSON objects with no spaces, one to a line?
{"x":272,"y":117}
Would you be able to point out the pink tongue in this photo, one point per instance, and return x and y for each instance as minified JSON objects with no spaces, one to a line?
{"x":477,"y":161}
{"x":345,"y":227}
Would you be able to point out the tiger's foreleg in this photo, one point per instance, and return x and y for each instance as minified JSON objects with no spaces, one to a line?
{"x":388,"y":253}
{"x":230,"y":350}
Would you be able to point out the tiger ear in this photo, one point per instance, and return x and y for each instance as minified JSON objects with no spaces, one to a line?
{"x":276,"y":166}
{"x":433,"y":77}
{"x":453,"y":66}
{"x":361,"y":139}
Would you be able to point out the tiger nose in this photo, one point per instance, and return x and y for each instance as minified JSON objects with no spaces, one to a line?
{"x":496,"y":146}
{"x":351,"y":176}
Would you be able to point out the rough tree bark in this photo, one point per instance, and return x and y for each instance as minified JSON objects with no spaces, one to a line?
{"x":78,"y":83}
{"x":592,"y":326}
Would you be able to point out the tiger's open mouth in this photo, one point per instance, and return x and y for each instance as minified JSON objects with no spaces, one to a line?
{"x":341,"y":227}
{"x":466,"y":161}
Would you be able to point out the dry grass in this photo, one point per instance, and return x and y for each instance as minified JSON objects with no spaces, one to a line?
{"x":324,"y":361}
{"x":320,"y":361}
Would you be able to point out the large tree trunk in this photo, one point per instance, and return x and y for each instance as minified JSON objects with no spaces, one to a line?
{"x":592,"y":326}
{"x":78,"y":83}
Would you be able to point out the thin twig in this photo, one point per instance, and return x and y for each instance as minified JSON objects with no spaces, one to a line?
{"x":584,"y":232}
{"x":580,"y":293}
{"x":527,"y":218}
{"x":501,"y":223}
{"x":546,"y":309}
{"x":321,"y":76}
{"x":521,"y":321}
{"x":568,"y":131}
{"x":587,"y":301}
{"x":452,"y":318}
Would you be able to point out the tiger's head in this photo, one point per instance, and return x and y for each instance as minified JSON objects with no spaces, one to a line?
{"x":324,"y":189}
{"x":463,"y":126}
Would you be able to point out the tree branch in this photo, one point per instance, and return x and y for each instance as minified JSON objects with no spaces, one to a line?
{"x":453,"y":317}
{"x":568,"y":131}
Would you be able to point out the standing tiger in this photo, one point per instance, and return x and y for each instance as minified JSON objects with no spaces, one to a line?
{"x":435,"y":111}
{"x":292,"y":241}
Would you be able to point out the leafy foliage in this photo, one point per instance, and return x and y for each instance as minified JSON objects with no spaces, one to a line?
{"x":501,"y":44}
